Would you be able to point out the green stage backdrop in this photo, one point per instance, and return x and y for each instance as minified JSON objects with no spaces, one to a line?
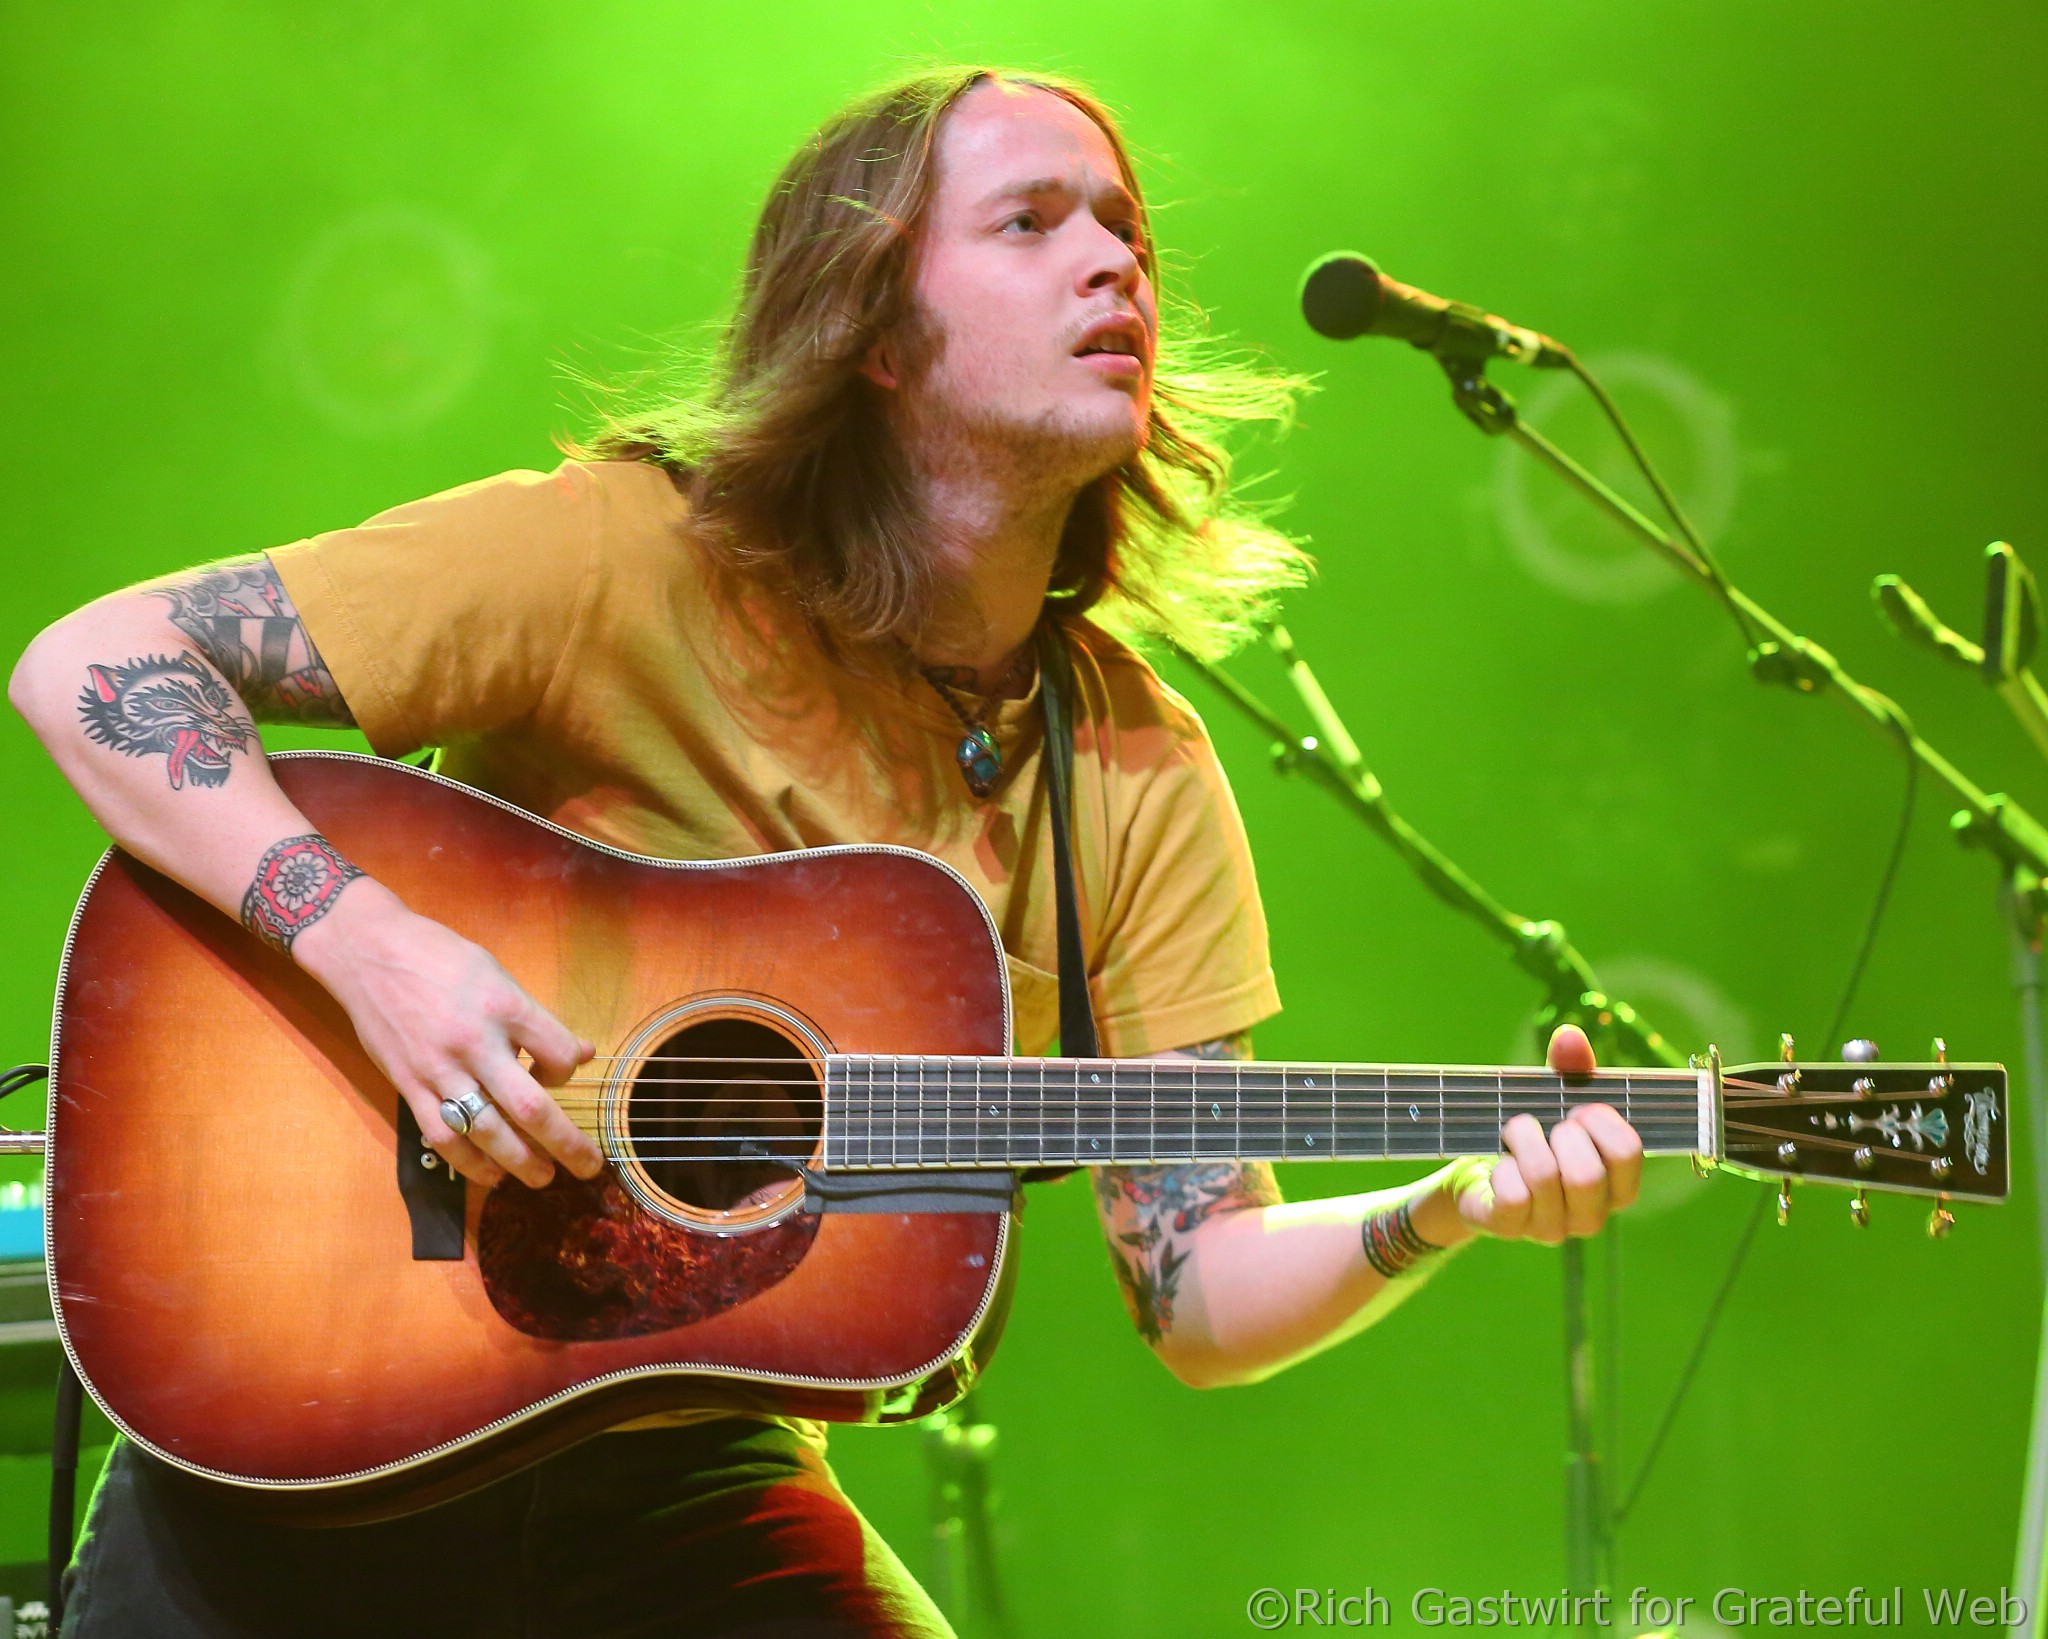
{"x":267,"y":269}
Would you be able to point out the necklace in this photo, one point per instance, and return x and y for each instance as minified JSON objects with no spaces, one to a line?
{"x":979,"y":757}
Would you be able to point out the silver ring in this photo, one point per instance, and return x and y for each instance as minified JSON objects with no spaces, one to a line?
{"x":461,"y":1113}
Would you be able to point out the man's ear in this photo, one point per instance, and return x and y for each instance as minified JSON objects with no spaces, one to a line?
{"x":880,"y":365}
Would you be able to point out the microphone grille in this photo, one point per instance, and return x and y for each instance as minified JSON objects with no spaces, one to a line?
{"x":1340,"y":296}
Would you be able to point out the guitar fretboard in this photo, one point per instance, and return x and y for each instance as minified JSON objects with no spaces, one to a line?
{"x":889,"y":1112}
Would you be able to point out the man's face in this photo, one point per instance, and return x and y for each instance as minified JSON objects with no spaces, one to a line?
{"x":1028,"y":273}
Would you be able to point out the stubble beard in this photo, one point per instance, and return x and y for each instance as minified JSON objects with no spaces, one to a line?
{"x":1052,"y":454}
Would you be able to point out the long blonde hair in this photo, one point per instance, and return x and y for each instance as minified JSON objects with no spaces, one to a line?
{"x":794,"y":478}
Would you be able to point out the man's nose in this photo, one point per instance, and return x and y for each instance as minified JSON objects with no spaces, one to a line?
{"x":1112,"y":265}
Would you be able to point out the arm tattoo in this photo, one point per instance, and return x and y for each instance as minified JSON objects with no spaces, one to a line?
{"x":297,"y":882}
{"x":1153,"y":1212}
{"x":1237,"y":1047}
{"x":170,"y":706}
{"x":241,"y":618}
{"x":1156,"y":1211}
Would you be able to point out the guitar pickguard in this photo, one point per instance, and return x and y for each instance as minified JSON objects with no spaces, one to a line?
{"x":580,"y":1262}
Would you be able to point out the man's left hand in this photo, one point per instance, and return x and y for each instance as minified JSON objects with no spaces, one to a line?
{"x":1565,"y":1183}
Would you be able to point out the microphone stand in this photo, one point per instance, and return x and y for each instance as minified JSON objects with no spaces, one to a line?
{"x":964,"y":1582}
{"x":1988,"y":820}
{"x":2011,"y":629}
{"x":1572,"y":994}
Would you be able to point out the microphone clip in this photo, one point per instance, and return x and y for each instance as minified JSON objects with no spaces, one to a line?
{"x":1478,"y":400}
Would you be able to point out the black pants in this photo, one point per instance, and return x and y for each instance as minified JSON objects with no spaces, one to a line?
{"x":727,"y":1530}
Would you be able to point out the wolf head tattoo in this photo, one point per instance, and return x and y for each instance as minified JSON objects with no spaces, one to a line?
{"x":169,"y":706}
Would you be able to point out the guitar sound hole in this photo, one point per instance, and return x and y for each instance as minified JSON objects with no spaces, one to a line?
{"x":722,"y":1113}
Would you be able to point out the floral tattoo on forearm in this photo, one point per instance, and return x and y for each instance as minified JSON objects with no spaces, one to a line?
{"x":1155,"y":1211}
{"x":297,"y":882}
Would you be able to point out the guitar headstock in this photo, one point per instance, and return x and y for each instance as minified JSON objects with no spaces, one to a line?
{"x":1921,"y":1129}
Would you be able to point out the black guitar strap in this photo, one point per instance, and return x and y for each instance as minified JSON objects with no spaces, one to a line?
{"x":1077,"y":1018}
{"x":1055,"y":689}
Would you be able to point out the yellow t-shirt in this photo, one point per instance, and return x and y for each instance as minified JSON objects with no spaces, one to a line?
{"x":569,"y":648}
{"x":563,"y":641}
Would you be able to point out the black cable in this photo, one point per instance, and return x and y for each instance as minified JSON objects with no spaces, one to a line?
{"x":1896,"y":720}
{"x":1709,"y":565}
{"x":64,"y":1420}
{"x":1699,"y":1350}
{"x":1878,"y":905}
{"x":1885,"y":883}
{"x":64,"y":1429}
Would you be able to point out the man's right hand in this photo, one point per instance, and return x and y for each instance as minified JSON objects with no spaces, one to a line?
{"x":440,"y":1017}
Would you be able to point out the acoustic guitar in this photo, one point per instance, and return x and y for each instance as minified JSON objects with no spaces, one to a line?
{"x":813,"y":1134}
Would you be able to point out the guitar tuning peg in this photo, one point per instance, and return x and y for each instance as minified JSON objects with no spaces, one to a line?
{"x":1940,"y":1051}
{"x":1940,"y":1221}
{"x":1784,"y":1202}
{"x":1860,"y":1051}
{"x":1785,"y":1051}
{"x":1859,"y":1209}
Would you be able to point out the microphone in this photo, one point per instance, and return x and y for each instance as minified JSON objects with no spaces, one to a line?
{"x":1344,"y":296}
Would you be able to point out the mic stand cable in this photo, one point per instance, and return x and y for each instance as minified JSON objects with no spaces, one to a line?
{"x":1572,"y":994}
{"x":1988,"y":820}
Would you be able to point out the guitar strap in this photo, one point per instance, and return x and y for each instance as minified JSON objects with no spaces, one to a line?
{"x":1056,"y":681}
{"x":1077,"y":1018}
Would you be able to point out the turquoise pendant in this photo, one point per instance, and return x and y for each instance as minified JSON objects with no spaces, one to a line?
{"x":981,"y":764}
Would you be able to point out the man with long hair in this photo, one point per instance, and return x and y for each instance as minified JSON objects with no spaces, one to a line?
{"x":790,"y":601}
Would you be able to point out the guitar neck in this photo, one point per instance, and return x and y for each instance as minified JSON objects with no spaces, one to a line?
{"x":889,"y":1112}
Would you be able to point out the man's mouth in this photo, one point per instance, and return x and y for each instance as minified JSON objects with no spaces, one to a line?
{"x":1118,"y":337}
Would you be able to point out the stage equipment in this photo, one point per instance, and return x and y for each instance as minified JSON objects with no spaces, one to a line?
{"x":958,"y":1446}
{"x":2011,"y":628}
{"x":1990,"y":821}
{"x":1572,"y":994}
{"x":813,"y":1134}
{"x":1345,"y":296}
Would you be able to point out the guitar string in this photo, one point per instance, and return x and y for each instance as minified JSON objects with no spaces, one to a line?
{"x":1141,"y":1089}
{"x":1142,"y":1082}
{"x":972,"y":1101}
{"x":1145,"y":1087}
{"x":968,"y":1098}
{"x":1682,"y":1084}
{"x":1217,"y":1066}
{"x":1055,"y":1155}
{"x":966,"y":1063}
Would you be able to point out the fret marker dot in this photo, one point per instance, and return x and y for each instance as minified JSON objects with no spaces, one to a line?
{"x":1413,"y":1113}
{"x":1308,"y":1081}
{"x":1095,"y":1078}
{"x":1095,"y":1143}
{"x":991,"y":1109}
{"x":1216,"y":1111}
{"x":1310,"y":1140}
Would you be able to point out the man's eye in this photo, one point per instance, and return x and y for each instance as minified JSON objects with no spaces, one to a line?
{"x":1129,"y":233}
{"x":1026,"y":220}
